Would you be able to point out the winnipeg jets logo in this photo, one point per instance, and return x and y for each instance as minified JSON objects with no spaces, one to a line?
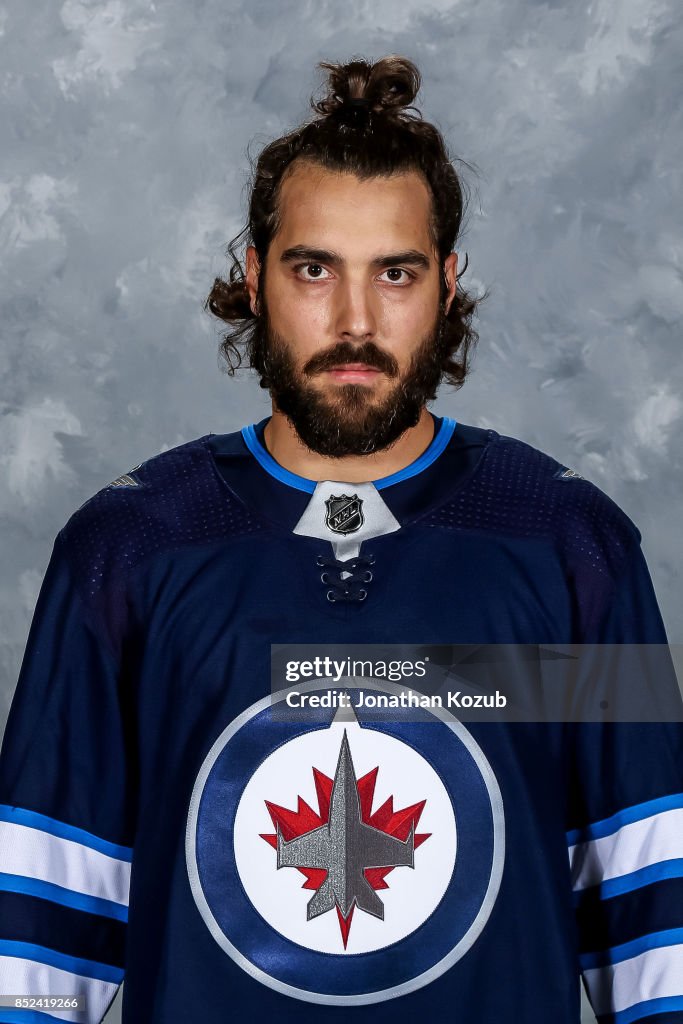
{"x":310,"y":879}
{"x":344,"y":513}
{"x":344,"y":851}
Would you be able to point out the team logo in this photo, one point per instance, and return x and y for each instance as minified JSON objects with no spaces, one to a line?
{"x":344,"y":513}
{"x":344,"y":851}
{"x":322,"y":852}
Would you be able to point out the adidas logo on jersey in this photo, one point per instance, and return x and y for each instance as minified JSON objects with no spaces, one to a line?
{"x":126,"y":479}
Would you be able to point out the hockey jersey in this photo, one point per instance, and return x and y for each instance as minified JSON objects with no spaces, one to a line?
{"x":161,"y":821}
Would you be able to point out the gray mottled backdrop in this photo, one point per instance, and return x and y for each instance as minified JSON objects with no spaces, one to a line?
{"x":124,"y":134}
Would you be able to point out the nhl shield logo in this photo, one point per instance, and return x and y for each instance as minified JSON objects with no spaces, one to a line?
{"x":322,"y":854}
{"x":344,"y":513}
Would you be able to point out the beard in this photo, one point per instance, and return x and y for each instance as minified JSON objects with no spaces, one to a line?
{"x":346,"y":419}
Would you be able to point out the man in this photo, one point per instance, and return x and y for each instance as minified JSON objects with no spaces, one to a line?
{"x":236,"y":853}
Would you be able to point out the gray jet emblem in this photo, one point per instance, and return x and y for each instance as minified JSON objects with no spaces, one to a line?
{"x":345,"y":846}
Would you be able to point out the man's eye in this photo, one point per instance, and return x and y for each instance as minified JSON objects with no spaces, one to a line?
{"x":399,"y":270}
{"x":315,"y":269}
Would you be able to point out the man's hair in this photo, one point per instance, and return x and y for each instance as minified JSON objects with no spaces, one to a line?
{"x":364,"y":128}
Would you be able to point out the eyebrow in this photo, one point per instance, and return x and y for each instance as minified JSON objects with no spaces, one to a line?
{"x":413,"y":257}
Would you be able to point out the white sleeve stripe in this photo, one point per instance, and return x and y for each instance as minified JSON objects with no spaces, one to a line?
{"x":19,"y":976}
{"x":32,"y":853}
{"x":20,"y":816}
{"x":653,"y":974}
{"x":637,"y":845}
{"x":636,"y":812}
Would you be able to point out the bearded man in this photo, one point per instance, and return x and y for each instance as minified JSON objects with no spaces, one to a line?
{"x":201,"y":789}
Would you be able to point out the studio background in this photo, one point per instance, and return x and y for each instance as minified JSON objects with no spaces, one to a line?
{"x":125,"y":127}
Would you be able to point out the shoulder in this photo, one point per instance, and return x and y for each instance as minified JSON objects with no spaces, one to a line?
{"x":522,"y":491}
{"x":583,"y":517}
{"x":593,"y":538}
{"x":170,"y":500}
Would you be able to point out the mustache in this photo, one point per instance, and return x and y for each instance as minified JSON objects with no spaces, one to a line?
{"x":345,"y":352}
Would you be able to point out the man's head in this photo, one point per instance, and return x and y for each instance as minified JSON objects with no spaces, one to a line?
{"x":352,"y":221}
{"x":351,"y":278}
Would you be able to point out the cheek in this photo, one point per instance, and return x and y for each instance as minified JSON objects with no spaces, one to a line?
{"x":303,"y":329}
{"x":303,"y":326}
{"x":296,"y":315}
{"x":404,"y":322}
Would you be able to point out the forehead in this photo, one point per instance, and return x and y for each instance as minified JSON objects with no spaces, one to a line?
{"x":320,"y":206}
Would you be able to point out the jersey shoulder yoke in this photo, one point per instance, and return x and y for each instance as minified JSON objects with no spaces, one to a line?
{"x":171,"y":500}
{"x":520,"y":491}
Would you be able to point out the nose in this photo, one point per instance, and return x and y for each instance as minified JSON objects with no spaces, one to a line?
{"x":355,"y":314}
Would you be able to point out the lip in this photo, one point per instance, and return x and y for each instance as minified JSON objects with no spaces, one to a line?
{"x":358,"y":372}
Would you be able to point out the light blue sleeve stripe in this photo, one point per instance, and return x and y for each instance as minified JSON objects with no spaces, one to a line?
{"x":634,"y":880}
{"x":20,"y":816}
{"x":72,"y":964}
{"x":608,"y":826}
{"x":615,"y":954}
{"x":67,"y":897}
{"x":667,"y":1004}
{"x":11,"y":1016}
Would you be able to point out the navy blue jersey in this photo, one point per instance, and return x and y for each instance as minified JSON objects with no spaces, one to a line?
{"x":159,"y":821}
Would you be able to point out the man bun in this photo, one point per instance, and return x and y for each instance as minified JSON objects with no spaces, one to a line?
{"x":388,"y":86}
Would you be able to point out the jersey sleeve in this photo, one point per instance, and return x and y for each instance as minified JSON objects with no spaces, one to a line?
{"x":626,"y":835}
{"x":66,"y":811}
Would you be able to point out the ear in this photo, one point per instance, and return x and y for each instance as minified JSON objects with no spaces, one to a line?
{"x":450,"y":269}
{"x":252,"y":277}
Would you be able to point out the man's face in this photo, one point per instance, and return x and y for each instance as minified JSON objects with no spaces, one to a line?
{"x":349,"y":316}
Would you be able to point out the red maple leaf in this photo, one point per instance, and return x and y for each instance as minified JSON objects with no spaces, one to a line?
{"x":304,"y":819}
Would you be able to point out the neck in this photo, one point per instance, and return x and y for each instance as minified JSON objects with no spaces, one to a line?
{"x":284,"y":444}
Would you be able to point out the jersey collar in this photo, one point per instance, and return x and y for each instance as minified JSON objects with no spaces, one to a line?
{"x":302,"y":483}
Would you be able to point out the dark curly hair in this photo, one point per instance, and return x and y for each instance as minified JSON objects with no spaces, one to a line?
{"x":365,"y":129}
